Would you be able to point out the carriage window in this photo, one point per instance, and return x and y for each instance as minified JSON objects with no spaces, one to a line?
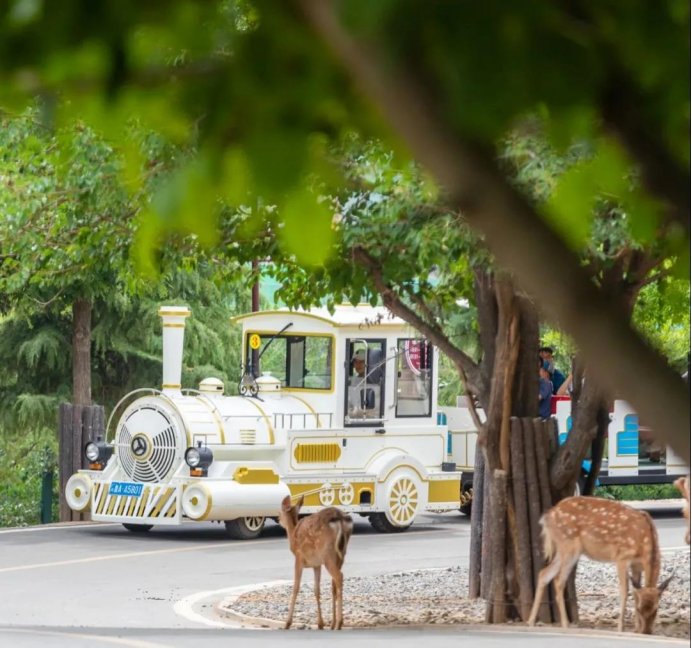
{"x":414,"y":378}
{"x":298,"y":361}
{"x":364,"y":386}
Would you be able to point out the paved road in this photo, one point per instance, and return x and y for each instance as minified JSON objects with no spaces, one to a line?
{"x":99,"y":585}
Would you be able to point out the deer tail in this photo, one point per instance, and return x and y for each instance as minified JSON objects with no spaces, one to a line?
{"x":344,"y":528}
{"x":549,"y":546}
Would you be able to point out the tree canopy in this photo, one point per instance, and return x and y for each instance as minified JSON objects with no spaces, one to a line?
{"x":263,"y":88}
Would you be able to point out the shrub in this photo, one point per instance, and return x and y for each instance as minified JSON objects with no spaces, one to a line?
{"x":25,"y":455}
{"x":638,"y":492}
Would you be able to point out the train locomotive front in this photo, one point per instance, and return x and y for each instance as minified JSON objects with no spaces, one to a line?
{"x":198,"y":455}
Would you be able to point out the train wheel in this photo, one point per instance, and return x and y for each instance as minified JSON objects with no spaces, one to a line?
{"x":402,"y":498}
{"x":466,"y":499}
{"x":138,"y":528}
{"x":380,"y":523}
{"x":245,"y":528}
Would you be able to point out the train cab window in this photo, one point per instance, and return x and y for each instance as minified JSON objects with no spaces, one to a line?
{"x":298,"y":361}
{"x":414,"y":378}
{"x":364,"y":384}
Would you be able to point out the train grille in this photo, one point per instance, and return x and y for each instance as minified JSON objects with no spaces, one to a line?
{"x":317,"y":452}
{"x":146,"y":445}
{"x":154,"y":502}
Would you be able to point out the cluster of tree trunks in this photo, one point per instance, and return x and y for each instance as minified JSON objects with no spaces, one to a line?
{"x":78,"y":424}
{"x":506,"y":545}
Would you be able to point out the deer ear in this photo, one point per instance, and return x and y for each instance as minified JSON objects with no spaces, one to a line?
{"x":636,"y":581}
{"x":665,"y":583}
{"x":286,"y":503}
{"x":300,"y":502}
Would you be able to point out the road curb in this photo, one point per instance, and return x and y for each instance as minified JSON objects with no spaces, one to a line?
{"x":239,"y":620}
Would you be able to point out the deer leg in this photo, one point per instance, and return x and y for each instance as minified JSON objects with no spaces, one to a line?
{"x":297,"y":575}
{"x":622,"y":576}
{"x":337,"y":594}
{"x":560,"y":580}
{"x":334,"y":595}
{"x":318,"y":574}
{"x":544,"y":577}
{"x":339,"y":597}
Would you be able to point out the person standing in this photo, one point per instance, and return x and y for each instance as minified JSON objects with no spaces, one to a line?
{"x":556,"y":376}
{"x":545,"y":392}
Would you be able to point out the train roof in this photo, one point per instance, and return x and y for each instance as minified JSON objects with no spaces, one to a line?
{"x":343,"y":315}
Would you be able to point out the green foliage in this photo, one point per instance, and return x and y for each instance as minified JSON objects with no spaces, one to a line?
{"x":126,"y":351}
{"x":25,"y":455}
{"x":66,"y":232}
{"x":253,"y":86}
{"x":662,"y":314}
{"x":638,"y":492}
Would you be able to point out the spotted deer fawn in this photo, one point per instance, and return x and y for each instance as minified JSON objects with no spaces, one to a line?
{"x":606,"y":531}
{"x":316,"y":540}
{"x":683,"y":485}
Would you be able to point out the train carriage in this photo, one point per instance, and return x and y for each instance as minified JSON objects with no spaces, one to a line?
{"x":338,"y":407}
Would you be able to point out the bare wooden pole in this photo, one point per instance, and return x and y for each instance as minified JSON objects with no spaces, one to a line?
{"x":485,"y":553}
{"x":65,"y":456}
{"x":498,"y":552}
{"x":540,"y":443}
{"x":523,"y":556}
{"x":534,"y":500}
{"x":476,"y":524}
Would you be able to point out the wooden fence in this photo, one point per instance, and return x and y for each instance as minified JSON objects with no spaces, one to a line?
{"x":78,"y":424}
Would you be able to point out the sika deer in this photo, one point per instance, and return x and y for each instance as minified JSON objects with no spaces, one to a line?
{"x":683,"y":485}
{"x":316,"y":540}
{"x":606,"y":531}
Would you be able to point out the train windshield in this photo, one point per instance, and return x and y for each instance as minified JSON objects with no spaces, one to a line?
{"x":298,"y":361}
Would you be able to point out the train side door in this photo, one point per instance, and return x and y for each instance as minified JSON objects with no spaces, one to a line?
{"x":364,"y":384}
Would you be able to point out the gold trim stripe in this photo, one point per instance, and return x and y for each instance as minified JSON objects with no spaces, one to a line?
{"x":180,"y":313}
{"x":162,"y":500}
{"x":143,"y":504}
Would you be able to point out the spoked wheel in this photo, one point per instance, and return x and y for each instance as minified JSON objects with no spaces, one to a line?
{"x":466,"y":499}
{"x":245,"y":528}
{"x":403,"y":494}
{"x":138,"y":528}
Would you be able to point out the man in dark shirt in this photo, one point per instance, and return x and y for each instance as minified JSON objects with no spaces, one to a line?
{"x":545,"y":392}
{"x":556,"y":376}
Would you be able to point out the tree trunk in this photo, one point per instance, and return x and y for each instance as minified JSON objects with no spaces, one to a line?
{"x":81,"y":352}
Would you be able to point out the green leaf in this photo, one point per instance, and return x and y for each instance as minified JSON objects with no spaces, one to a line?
{"x":307,"y":231}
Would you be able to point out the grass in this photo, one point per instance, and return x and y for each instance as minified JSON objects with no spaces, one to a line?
{"x":638,"y":492}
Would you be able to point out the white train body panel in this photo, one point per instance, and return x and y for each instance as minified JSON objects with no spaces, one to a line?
{"x":316,"y":428}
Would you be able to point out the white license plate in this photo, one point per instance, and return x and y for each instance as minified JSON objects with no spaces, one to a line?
{"x":125,"y":488}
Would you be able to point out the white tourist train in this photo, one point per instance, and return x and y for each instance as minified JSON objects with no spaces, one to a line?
{"x":306,"y":422}
{"x":338,"y":407}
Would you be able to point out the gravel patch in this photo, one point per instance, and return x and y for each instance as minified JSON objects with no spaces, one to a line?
{"x":439,"y":596}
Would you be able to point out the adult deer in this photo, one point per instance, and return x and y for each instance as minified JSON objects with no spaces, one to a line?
{"x":316,"y":540}
{"x":683,"y":485}
{"x":606,"y":531}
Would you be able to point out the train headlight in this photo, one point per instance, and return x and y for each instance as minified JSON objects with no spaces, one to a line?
{"x":199,"y":459}
{"x":97,"y":454}
{"x":91,"y":451}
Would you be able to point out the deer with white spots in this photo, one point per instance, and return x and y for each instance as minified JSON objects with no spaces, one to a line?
{"x":316,"y":540}
{"x":606,"y":531}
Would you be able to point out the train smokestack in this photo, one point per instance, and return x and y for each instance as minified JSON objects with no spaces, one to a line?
{"x":173,"y":321}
